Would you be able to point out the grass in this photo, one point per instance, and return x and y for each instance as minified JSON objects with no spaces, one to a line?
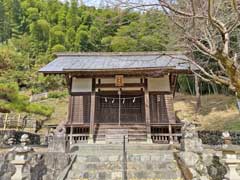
{"x":218,"y":112}
{"x":60,"y":106}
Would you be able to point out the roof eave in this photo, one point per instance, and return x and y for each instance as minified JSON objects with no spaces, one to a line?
{"x":114,"y":71}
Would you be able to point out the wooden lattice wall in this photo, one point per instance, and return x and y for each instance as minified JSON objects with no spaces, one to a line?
{"x":131,"y":112}
{"x":161,"y":108}
{"x":79,"y":109}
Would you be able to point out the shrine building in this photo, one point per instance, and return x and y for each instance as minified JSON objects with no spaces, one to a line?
{"x":121,"y":94}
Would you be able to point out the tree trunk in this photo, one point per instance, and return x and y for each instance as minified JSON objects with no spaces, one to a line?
{"x":198,"y":99}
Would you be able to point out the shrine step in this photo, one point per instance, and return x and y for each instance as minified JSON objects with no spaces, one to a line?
{"x":135,"y":132}
{"x":105,"y":162}
{"x":86,"y":149}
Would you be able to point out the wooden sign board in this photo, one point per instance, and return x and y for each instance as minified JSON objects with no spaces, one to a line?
{"x":119,"y":81}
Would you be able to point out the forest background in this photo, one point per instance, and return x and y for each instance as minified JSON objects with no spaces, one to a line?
{"x":31,"y":31}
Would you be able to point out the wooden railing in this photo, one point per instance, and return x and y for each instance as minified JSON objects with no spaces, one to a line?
{"x":77,"y":138}
{"x":164,"y":138}
{"x":17,"y":121}
{"x":166,"y":133}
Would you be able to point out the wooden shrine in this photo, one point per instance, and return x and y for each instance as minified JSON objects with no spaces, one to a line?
{"x":121,"y":92}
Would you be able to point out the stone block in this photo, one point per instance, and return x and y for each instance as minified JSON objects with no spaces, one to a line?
{"x":116,"y":175}
{"x":57,"y":143}
{"x":189,"y":158}
{"x":192,"y":145}
{"x":92,"y":159}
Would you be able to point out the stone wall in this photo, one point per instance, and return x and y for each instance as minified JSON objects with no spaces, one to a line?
{"x":44,"y":166}
{"x":4,"y":134}
{"x":215,"y":137}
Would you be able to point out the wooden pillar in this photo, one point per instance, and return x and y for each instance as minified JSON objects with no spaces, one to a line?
{"x":147,"y":112}
{"x":92,"y":112}
{"x":71,"y":138}
{"x":69,"y":118}
{"x":69,"y":82}
{"x":170,"y":134}
{"x":70,"y":109}
{"x":92,"y":118}
{"x":198,"y":104}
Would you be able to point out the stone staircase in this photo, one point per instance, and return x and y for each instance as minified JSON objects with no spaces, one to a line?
{"x":105,"y":162}
{"x":136,"y":133}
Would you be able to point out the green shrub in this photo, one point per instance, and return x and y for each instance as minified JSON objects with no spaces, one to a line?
{"x":11,"y":100}
{"x":57,"y":94}
{"x":40,"y":109}
{"x":8,"y":91}
{"x":58,"y":48}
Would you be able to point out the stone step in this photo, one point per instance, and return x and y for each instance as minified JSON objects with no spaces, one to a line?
{"x":111,"y":156}
{"x":117,"y":175}
{"x":136,"y":153}
{"x":166,"y":175}
{"x":142,"y":137}
{"x":95,"y":175}
{"x":102,"y":133}
{"x":131,"y":166}
{"x":129,"y":146}
{"x":103,"y":166}
{"x":143,"y":161}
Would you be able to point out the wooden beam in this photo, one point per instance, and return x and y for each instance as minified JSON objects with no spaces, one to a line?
{"x":69,"y":115}
{"x":123,"y":93}
{"x":125,"y":85}
{"x":127,"y":73}
{"x":173,"y":83}
{"x":92,"y":112}
{"x":147,"y":112}
{"x":70,"y":138}
{"x":170,"y":134}
{"x":69,"y":82}
{"x":80,"y":93}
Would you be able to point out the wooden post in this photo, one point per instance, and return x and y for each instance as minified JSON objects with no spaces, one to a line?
{"x":147,"y":112}
{"x":198,"y":103}
{"x":71,"y":132}
{"x":69,"y":82}
{"x":170,"y":134}
{"x":92,"y":118}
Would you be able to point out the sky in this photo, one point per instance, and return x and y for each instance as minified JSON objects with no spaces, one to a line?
{"x":104,"y":2}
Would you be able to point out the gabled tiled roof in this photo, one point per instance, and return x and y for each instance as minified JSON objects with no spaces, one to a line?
{"x":116,"y":61}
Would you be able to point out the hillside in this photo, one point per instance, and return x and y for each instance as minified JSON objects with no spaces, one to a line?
{"x":218,"y":112}
{"x":32,"y":31}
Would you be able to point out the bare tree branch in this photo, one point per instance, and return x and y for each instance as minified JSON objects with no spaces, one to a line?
{"x":207,"y":26}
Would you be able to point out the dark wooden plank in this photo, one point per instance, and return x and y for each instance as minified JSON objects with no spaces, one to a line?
{"x":80,"y":93}
{"x":162,"y":108}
